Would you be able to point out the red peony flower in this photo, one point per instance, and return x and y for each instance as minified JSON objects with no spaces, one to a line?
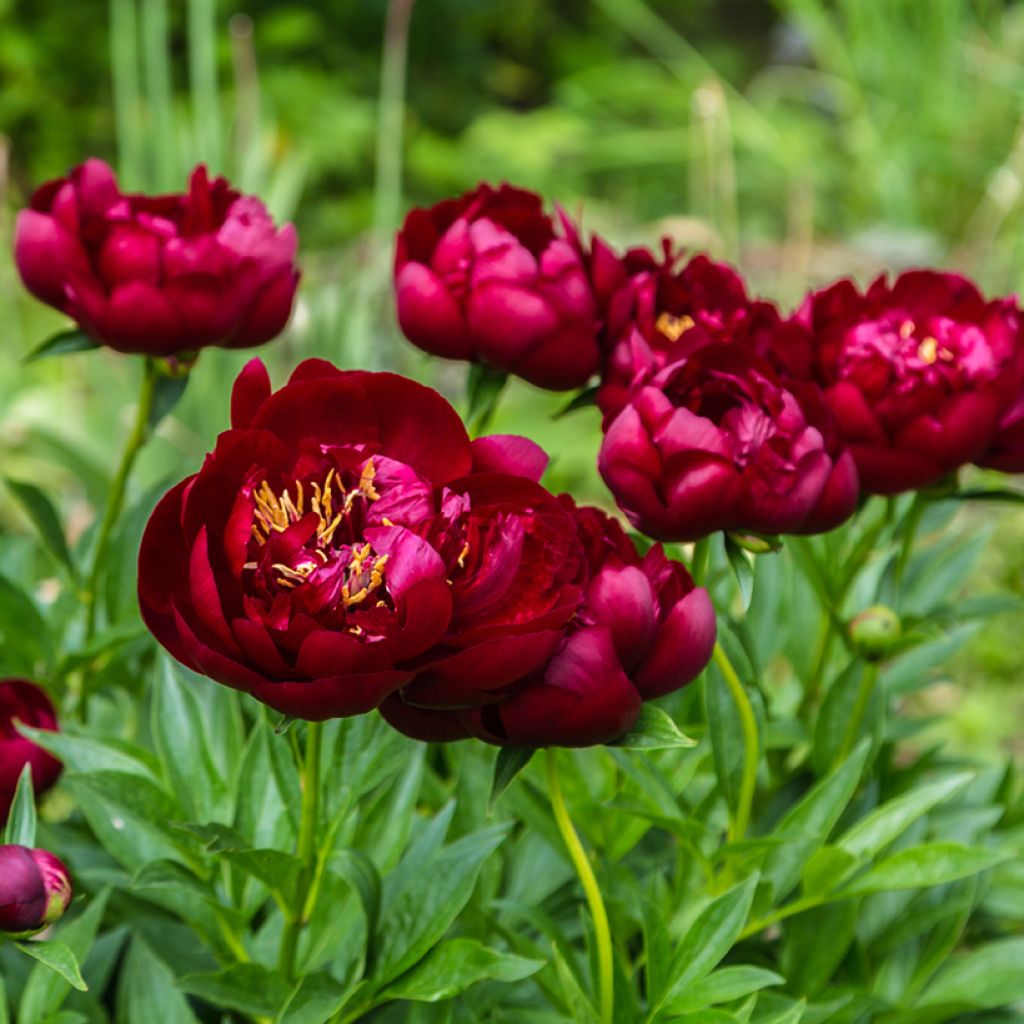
{"x":35,"y":890}
{"x":919,"y":373}
{"x":641,"y":630}
{"x":488,"y":278}
{"x":718,"y":442}
{"x":316,"y":559}
{"x":158,"y":274}
{"x":664,"y":310}
{"x":25,"y":703}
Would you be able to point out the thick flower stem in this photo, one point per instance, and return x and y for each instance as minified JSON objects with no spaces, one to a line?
{"x":699,"y":562}
{"x":602,"y":933}
{"x":751,"y":745}
{"x":306,"y":847}
{"x":910,"y":527}
{"x":118,"y":489}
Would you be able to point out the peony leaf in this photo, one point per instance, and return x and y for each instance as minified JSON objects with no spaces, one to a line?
{"x":62,"y":343}
{"x":510,"y":762}
{"x":21,"y":820}
{"x":39,"y":509}
{"x":484,"y":387}
{"x":57,"y":957}
{"x":654,"y":730}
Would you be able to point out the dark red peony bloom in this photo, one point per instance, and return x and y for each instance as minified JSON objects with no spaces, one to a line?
{"x":158,"y":274}
{"x":25,"y":703}
{"x":488,"y":278}
{"x":664,"y":309}
{"x":641,"y":630}
{"x":316,"y":558}
{"x":35,"y":889}
{"x":919,"y":373}
{"x":718,"y":442}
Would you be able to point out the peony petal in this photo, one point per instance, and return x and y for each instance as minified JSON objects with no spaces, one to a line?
{"x":681,"y":648}
{"x":509,"y":453}
{"x":251,"y":389}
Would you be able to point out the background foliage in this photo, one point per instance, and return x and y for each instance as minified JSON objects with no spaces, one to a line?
{"x":802,"y":139}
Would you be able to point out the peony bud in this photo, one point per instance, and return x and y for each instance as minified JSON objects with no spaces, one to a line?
{"x":875,"y":630}
{"x":35,"y":890}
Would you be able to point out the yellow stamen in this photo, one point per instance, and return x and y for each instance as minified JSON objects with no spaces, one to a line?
{"x":928,"y":350}
{"x":907,"y":328}
{"x":673,"y":327}
{"x":366,"y":479}
{"x":462,"y":556}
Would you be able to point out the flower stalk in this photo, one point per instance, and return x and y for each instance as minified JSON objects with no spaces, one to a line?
{"x":751,"y":745}
{"x":602,"y":932}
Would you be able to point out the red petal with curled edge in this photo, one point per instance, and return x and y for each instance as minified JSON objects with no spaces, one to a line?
{"x":251,"y":389}
{"x":584,"y":699}
{"x":681,"y":649}
{"x":509,"y":453}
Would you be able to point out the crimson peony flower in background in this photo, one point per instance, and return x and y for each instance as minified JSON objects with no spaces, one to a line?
{"x":488,"y":278}
{"x":24,"y":702}
{"x":919,"y":373}
{"x":718,"y":442}
{"x":664,"y":310}
{"x":35,"y":890}
{"x":158,"y":274}
{"x":642,"y":630}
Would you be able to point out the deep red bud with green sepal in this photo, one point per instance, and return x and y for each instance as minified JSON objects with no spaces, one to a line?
{"x":35,"y":889}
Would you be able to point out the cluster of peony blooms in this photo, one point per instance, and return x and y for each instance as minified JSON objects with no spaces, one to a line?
{"x":346,"y":547}
{"x":719,"y":412}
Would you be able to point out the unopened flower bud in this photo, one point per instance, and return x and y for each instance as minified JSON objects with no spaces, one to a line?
{"x":875,"y":630}
{"x":35,"y":889}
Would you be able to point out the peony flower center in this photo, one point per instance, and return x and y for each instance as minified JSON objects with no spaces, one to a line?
{"x":900,"y":351}
{"x":309,"y":536}
{"x":673,"y":327}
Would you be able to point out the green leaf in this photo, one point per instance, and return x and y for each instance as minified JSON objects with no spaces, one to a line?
{"x":836,"y":719}
{"x":508,"y":764}
{"x":61,"y":344}
{"x":245,"y":988}
{"x":988,"y":977}
{"x":725,"y":729}
{"x":581,"y":400}
{"x":180,"y":729}
{"x":581,"y":1009}
{"x":317,"y":1000}
{"x":280,"y":872}
{"x":146,"y":992}
{"x":167,"y":391}
{"x":807,"y":825}
{"x":26,"y":644}
{"x":57,"y":957}
{"x":723,"y":986}
{"x":712,"y":934}
{"x":43,"y":516}
{"x":484,"y":387}
{"x":927,"y":865}
{"x":417,"y":914}
{"x":21,"y":820}
{"x":874,"y":832}
{"x":454,"y":966}
{"x":46,"y":990}
{"x":815,"y":943}
{"x":361,"y":874}
{"x":999,"y":494}
{"x":826,"y":869}
{"x":654,"y":730}
{"x":742,"y":565}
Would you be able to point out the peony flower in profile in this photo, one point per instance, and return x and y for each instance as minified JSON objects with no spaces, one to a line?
{"x":22,"y":702}
{"x":158,"y":275}
{"x":489,"y":278}
{"x":718,"y":442}
{"x":919,"y":373}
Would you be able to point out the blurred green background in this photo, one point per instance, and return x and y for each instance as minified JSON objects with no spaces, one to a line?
{"x":803,"y":139}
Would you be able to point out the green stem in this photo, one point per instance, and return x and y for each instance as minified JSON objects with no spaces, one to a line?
{"x":909,"y":526}
{"x":602,"y":933}
{"x":751,"y":745}
{"x":306,"y":847}
{"x":118,"y":489}
{"x":813,"y":690}
{"x":860,"y":707}
{"x":159,"y":96}
{"x":699,"y":562}
{"x":202,"y":68}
